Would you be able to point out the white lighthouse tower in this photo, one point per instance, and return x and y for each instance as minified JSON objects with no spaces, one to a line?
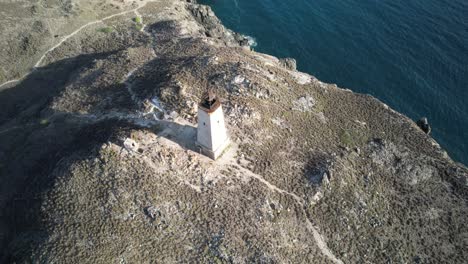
{"x":212,"y":137}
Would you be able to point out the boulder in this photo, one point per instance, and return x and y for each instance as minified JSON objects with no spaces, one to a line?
{"x":304,"y":104}
{"x":152,"y":212}
{"x":424,"y":125}
{"x":288,"y":63}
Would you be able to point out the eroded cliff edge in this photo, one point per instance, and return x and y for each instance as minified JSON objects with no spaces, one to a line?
{"x":98,"y":163}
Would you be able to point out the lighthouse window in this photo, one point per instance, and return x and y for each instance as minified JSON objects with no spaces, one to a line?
{"x":204,"y":124}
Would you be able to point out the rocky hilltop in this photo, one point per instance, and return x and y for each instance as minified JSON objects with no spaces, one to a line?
{"x":98,"y":162}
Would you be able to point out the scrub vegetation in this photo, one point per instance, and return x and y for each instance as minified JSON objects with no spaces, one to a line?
{"x":314,"y":174}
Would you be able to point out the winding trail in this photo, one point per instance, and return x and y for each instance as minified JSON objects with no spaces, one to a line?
{"x":128,"y":85}
{"x":65,"y":38}
{"x":317,"y":236}
{"x":10,"y":129}
{"x":13,"y":81}
{"x":38,"y":63}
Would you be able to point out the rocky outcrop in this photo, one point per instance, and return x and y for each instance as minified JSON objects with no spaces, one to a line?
{"x":424,"y":125}
{"x":213,"y":27}
{"x":288,"y":63}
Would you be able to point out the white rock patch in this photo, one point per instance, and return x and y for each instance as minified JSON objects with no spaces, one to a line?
{"x":304,"y":104}
{"x":301,"y":78}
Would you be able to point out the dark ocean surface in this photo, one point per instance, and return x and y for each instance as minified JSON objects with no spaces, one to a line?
{"x":412,"y":54}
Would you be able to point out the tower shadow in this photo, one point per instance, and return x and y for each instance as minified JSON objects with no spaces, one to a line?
{"x":180,"y":134}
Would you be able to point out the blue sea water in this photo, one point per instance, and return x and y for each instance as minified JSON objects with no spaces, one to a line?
{"x":411,"y":54}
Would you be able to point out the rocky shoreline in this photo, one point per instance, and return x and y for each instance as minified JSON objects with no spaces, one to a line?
{"x":98,"y":162}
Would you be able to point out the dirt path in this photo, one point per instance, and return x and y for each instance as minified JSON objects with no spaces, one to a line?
{"x":12,"y":81}
{"x":228,"y":159}
{"x":65,"y":38}
{"x":9,"y":129}
{"x":317,"y":236}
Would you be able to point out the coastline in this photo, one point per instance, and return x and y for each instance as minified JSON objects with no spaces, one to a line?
{"x":398,"y":71}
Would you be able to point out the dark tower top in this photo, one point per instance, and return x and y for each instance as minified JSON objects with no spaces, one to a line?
{"x":210,"y":101}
